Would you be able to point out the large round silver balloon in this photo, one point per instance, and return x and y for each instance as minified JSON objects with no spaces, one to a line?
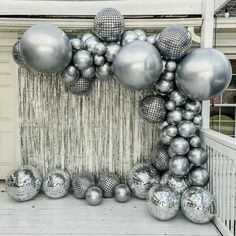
{"x":138,"y":65}
{"x":23,"y":183}
{"x":122,"y":193}
{"x":203,"y":74}
{"x":198,"y":156}
{"x":163,"y":202}
{"x":198,"y":205}
{"x":180,"y":145}
{"x":179,"y":166}
{"x":141,"y":178}
{"x":198,"y":176}
{"x":186,"y":129}
{"x":94,"y":196}
{"x":46,"y":48}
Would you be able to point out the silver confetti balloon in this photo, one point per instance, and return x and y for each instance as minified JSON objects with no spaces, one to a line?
{"x":111,"y":51}
{"x":168,"y":76}
{"x":122,"y":193}
{"x":203,"y":74}
{"x":188,"y":115}
{"x":100,"y":49}
{"x":198,"y":205}
{"x":152,"y":109}
{"x":164,"y":86}
{"x":138,"y":65}
{"x":195,"y":141}
{"x":171,"y":130}
{"x":76,"y":43}
{"x":128,"y":37}
{"x":109,"y":24}
{"x":170,"y":105}
{"x":197,"y":156}
{"x":46,"y":48}
{"x":56,"y":184}
{"x":151,"y":39}
{"x":81,"y":87}
{"x":99,"y":60}
{"x":104,"y":71}
{"x":88,"y":73}
{"x":90,"y":44}
{"x":82,"y":59}
{"x":23,"y":183}
{"x":163,"y":202}
{"x":178,"y":97}
{"x":16,"y":54}
{"x":70,"y":75}
{"x":194,"y":106}
{"x":94,"y":196}
{"x":180,"y":145}
{"x":171,"y":66}
{"x":141,"y":178}
{"x":179,"y":166}
{"x":174,"y":42}
{"x":164,"y":137}
{"x":174,"y":117}
{"x":186,"y":129}
{"x":198,"y":176}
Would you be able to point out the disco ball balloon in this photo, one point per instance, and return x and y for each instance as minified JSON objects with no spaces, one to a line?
{"x":109,"y":24}
{"x":198,"y":205}
{"x":179,"y":166}
{"x":56,"y":184}
{"x":94,"y":196}
{"x":122,"y":193}
{"x":152,"y":109}
{"x":16,"y":54}
{"x":46,"y":48}
{"x":174,"y":42}
{"x":81,"y":87}
{"x":198,"y":176}
{"x":186,"y":129}
{"x":141,"y":178}
{"x":203,"y":74}
{"x":197,"y":156}
{"x":23,"y":183}
{"x":138,"y":65}
{"x":180,"y":145}
{"x":163,"y":202}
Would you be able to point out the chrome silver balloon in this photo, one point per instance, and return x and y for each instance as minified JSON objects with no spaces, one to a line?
{"x":198,"y":205}
{"x":171,"y":152}
{"x":188,"y":115}
{"x":168,"y":76}
{"x":82,"y":59}
{"x":86,"y":36}
{"x":171,"y":66}
{"x":197,"y":120}
{"x":93,"y":196}
{"x":171,"y":130}
{"x":46,"y":48}
{"x":99,"y":60}
{"x":203,"y":74}
{"x":141,"y":178}
{"x":88,"y":73}
{"x":122,"y":193}
{"x":76,"y":43}
{"x":179,"y":166}
{"x":178,"y":97}
{"x":164,"y":137}
{"x":186,"y":129}
{"x":128,"y":37}
{"x":197,"y":156}
{"x":198,"y":176}
{"x":151,"y":39}
{"x":164,"y":86}
{"x":23,"y":183}
{"x":100,"y":49}
{"x":195,"y":141}
{"x":163,"y":202}
{"x":104,"y":71}
{"x":162,"y":125}
{"x":70,"y":75}
{"x":140,"y":32}
{"x":170,"y":105}
{"x":180,"y":145}
{"x":194,"y":106}
{"x":90,"y":44}
{"x":174,"y":117}
{"x":112,"y":50}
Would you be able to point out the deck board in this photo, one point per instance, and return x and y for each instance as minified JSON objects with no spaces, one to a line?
{"x":70,"y":216}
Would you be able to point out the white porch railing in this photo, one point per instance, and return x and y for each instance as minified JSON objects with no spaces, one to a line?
{"x":221,"y":164}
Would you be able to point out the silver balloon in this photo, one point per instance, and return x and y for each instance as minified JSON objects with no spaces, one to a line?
{"x":99,"y":60}
{"x":198,"y":176}
{"x":195,"y":141}
{"x":151,"y":39}
{"x":171,"y":130}
{"x":128,"y":37}
{"x":56,"y":184}
{"x":198,"y":156}
{"x":46,"y":48}
{"x":88,"y":73}
{"x":180,"y":145}
{"x":186,"y":129}
{"x":197,"y":120}
{"x":168,"y":76}
{"x":171,"y":152}
{"x":164,"y":137}
{"x":171,"y":66}
{"x":162,"y":125}
{"x":111,"y":52}
{"x":141,"y":178}
{"x":81,"y":87}
{"x":103,"y":71}
{"x":163,"y":202}
{"x":138,"y":65}
{"x":178,"y":97}
{"x":90,"y":44}
{"x":140,"y":32}
{"x":179,"y":166}
{"x":76,"y":43}
{"x":16,"y":54}
{"x":174,"y":117}
{"x":94,"y":196}
{"x":23,"y":183}
{"x":194,"y":106}
{"x":198,"y":205}
{"x":70,"y":75}
{"x":82,"y":59}
{"x":164,"y":86}
{"x":203,"y":74}
{"x":188,"y":115}
{"x":100,"y":49}
{"x":86,"y":36}
{"x":122,"y":193}
{"x":170,"y":105}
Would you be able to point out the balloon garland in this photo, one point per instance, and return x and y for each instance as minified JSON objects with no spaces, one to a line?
{"x":179,"y":79}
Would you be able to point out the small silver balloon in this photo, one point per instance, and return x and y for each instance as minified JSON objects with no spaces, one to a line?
{"x":197,"y":156}
{"x":170,"y":105}
{"x":151,"y":39}
{"x":198,"y":205}
{"x":141,"y":178}
{"x":174,"y":117}
{"x":180,"y":145}
{"x":82,"y":59}
{"x":90,"y":44}
{"x":198,"y":176}
{"x":81,"y":87}
{"x":168,"y":76}
{"x":195,"y":141}
{"x":16,"y":54}
{"x":99,"y":60}
{"x":141,"y":34}
{"x":194,"y":106}
{"x":197,"y":120}
{"x":171,"y":66}
{"x":178,"y":97}
{"x":76,"y":43}
{"x":188,"y":115}
{"x":162,"y":125}
{"x":164,"y":86}
{"x":88,"y":73}
{"x":128,"y":37}
{"x":103,"y":71}
{"x":100,"y":49}
{"x":179,"y":166}
{"x":163,"y":202}
{"x":23,"y":183}
{"x":86,"y":36}
{"x":171,"y":152}
{"x":122,"y":193}
{"x":186,"y":129}
{"x":56,"y":184}
{"x":94,"y":196}
{"x":70,"y":75}
{"x":111,"y":51}
{"x":164,"y":137}
{"x":171,"y":130}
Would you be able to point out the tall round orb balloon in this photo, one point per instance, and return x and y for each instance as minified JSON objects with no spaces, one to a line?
{"x":198,"y":176}
{"x":203,"y":74}
{"x":138,"y":65}
{"x":163,"y":202}
{"x":46,"y":48}
{"x":141,"y":178}
{"x":197,"y":156}
{"x":94,"y":196}
{"x":179,"y":166}
{"x":180,"y":145}
{"x":198,"y":205}
{"x":122,"y":193}
{"x":23,"y":183}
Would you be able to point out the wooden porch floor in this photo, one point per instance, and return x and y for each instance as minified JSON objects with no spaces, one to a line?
{"x":69,"y":216}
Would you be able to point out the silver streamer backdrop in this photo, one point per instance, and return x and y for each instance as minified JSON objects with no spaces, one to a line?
{"x":98,"y":132}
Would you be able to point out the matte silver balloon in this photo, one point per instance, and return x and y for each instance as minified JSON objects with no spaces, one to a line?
{"x":188,"y":115}
{"x":88,"y":73}
{"x":198,"y":205}
{"x":174,"y":117}
{"x":94,"y":196}
{"x":179,"y":166}
{"x":56,"y":184}
{"x":141,"y":178}
{"x":170,"y":105}
{"x":178,"y":97}
{"x":23,"y":183}
{"x":171,"y":152}
{"x":70,"y":75}
{"x":128,"y":37}
{"x":194,"y":106}
{"x":198,"y":156}
{"x":180,"y":145}
{"x":186,"y":129}
{"x":112,"y":51}
{"x":103,"y":71}
{"x":138,"y":65}
{"x":90,"y":44}
{"x":86,"y":36}
{"x":151,"y":39}
{"x":82,"y":59}
{"x":164,"y":137}
{"x":163,"y":202}
{"x":195,"y":141}
{"x":171,"y":66}
{"x":122,"y":193}
{"x":76,"y":43}
{"x":198,"y":176}
{"x":203,"y":74}
{"x":197,"y":120}
{"x":168,"y":76}
{"x":100,"y":49}
{"x":171,"y":130}
{"x":99,"y":60}
{"x":164,"y":86}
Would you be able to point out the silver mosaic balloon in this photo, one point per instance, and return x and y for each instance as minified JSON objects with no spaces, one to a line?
{"x":112,"y":51}
{"x":186,"y":129}
{"x":170,"y":105}
{"x":104,"y":71}
{"x":164,"y":137}
{"x":164,"y":86}
{"x":174,"y":42}
{"x":151,"y":39}
{"x":56,"y":184}
{"x":141,"y":178}
{"x":16,"y":54}
{"x":109,"y":24}
{"x":180,"y":145}
{"x":46,"y":48}
{"x":94,"y":196}
{"x":152,"y":109}
{"x":23,"y":183}
{"x":198,"y":176}
{"x":197,"y":156}
{"x":76,"y":43}
{"x":122,"y":193}
{"x":174,"y":117}
{"x":81,"y":183}
{"x":163,"y":202}
{"x":171,"y":66}
{"x":194,"y":106}
{"x":198,"y":205}
{"x":99,"y":60}
{"x":178,"y":97}
{"x":82,"y":59}
{"x":70,"y":75}
{"x":107,"y":182}
{"x":128,"y":37}
{"x":171,"y":130}
{"x":81,"y":87}
{"x":88,"y":73}
{"x":179,"y":166}
{"x":188,"y":115}
{"x":195,"y":141}
{"x":100,"y":49}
